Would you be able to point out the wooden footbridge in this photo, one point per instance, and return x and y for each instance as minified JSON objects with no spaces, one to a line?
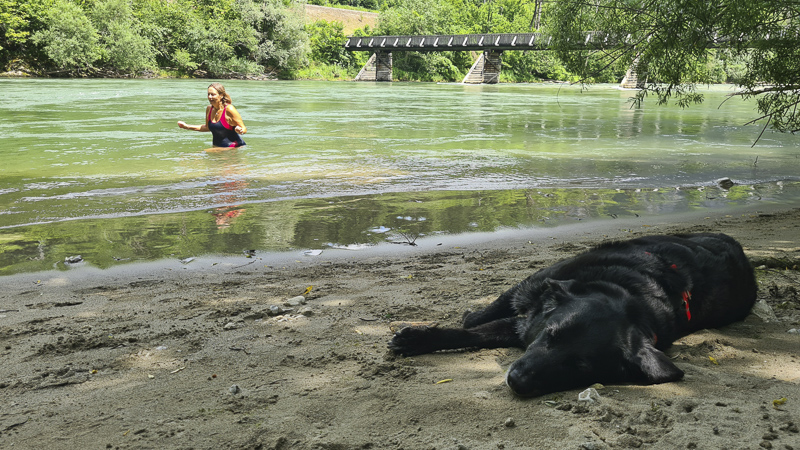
{"x":486,"y":69}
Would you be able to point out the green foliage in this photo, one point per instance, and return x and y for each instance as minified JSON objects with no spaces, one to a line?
{"x":733,"y":65}
{"x":18,"y":20}
{"x":218,"y":38}
{"x":183,"y":59}
{"x":671,"y":41}
{"x":327,"y":72}
{"x":13,"y":23}
{"x":166,"y":25}
{"x":327,"y":43}
{"x":435,"y":67}
{"x":70,"y":39}
{"x":372,"y":5}
{"x":121,"y":44}
{"x":532,"y":66}
{"x":411,"y":17}
{"x":282,"y":43}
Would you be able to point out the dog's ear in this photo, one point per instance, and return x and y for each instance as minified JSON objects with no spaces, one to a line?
{"x":558,"y":286}
{"x":556,"y":292}
{"x":651,"y":362}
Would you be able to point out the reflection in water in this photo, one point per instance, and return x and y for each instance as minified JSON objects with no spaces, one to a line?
{"x":229,"y":185}
{"x":629,"y":121}
{"x":352,"y":221}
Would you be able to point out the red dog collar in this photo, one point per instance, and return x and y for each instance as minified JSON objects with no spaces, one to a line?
{"x":686,"y":296}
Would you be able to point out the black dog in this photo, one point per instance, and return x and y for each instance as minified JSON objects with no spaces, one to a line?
{"x":606,"y":315}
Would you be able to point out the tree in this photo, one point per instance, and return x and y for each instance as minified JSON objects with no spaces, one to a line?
{"x":167,"y":25}
{"x":18,"y":19}
{"x":669,"y":40}
{"x":123,"y":46}
{"x":327,"y":43}
{"x":282,"y":42}
{"x":70,"y":40}
{"x":13,"y":23}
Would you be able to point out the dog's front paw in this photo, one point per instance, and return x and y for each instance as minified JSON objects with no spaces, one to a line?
{"x":413,"y":341}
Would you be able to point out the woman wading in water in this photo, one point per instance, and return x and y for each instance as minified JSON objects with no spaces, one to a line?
{"x":222,"y":119}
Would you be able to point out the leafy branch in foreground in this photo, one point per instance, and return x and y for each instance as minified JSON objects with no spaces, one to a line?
{"x":670,"y":42}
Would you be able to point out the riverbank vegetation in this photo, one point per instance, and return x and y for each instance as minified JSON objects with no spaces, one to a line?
{"x":219,"y":38}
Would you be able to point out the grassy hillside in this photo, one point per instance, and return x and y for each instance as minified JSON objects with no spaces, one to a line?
{"x":352,"y":20}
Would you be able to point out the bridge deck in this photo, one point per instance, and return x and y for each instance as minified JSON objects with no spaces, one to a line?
{"x":467,"y":42}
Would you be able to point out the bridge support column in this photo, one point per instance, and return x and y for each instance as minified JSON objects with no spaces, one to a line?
{"x":491,"y":67}
{"x":486,"y":69}
{"x":378,"y":68}
{"x":632,"y":80}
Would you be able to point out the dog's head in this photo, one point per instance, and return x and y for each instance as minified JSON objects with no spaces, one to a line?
{"x":583,"y":335}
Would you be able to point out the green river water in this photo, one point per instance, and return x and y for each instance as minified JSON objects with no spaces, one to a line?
{"x":99,"y":168}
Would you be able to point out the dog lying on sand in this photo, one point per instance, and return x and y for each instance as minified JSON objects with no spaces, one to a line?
{"x":606,"y":315}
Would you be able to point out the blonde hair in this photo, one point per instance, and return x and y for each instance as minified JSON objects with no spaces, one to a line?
{"x":226,"y":99}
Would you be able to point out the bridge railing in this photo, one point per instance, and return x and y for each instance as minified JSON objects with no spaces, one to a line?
{"x":453,"y":42}
{"x":462,"y":42}
{"x":591,"y":40}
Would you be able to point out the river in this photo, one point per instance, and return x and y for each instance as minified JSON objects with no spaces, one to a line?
{"x":99,"y":168}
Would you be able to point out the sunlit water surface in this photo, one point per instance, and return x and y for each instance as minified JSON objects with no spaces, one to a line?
{"x":98,"y":168}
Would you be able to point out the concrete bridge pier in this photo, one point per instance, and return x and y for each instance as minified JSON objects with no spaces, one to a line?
{"x":486,"y":69}
{"x":631,"y":79}
{"x":378,"y":68}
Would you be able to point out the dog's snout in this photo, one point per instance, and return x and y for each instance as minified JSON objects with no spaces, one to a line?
{"x":522,"y":382}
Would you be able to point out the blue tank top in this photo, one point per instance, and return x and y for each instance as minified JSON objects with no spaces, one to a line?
{"x":223,"y":134}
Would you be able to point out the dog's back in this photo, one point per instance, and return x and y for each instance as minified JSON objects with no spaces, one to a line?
{"x":703,"y":280}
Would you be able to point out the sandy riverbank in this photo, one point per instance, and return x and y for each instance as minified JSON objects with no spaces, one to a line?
{"x":188,"y":356}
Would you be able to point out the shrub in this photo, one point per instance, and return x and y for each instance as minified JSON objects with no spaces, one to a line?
{"x":70,"y":40}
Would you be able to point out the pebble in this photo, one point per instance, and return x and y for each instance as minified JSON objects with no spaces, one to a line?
{"x":790,"y":427}
{"x":763,"y":311}
{"x":306,"y":311}
{"x":794,"y":331}
{"x":277,"y":310}
{"x":296,"y":301}
{"x":510,"y":423}
{"x":235,"y":389}
{"x":725,"y":183}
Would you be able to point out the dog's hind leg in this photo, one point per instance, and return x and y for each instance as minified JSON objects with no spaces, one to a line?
{"x":418,"y":340}
{"x":498,"y":309}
